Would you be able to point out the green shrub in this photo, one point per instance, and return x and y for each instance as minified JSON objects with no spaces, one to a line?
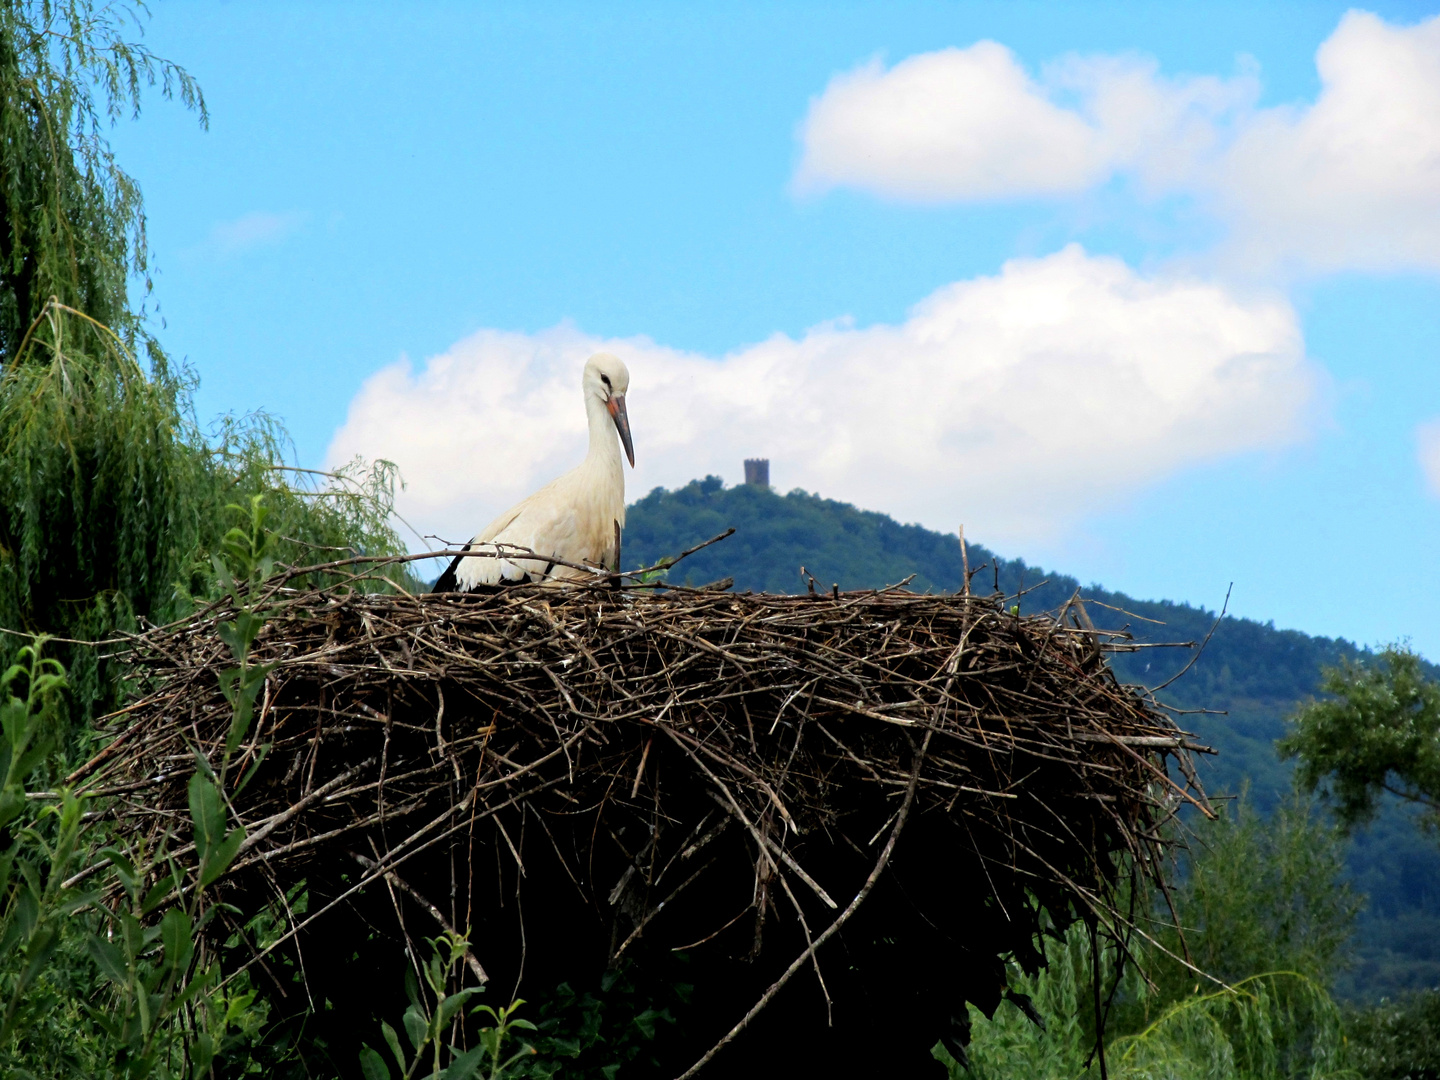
{"x":1396,"y":1040}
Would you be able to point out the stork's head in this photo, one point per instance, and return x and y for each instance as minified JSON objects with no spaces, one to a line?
{"x":607,"y":379}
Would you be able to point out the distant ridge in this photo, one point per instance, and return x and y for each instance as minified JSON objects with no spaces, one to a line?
{"x":1249,"y":666}
{"x":1250,"y":670}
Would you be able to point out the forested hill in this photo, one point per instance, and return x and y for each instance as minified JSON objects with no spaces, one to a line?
{"x":1249,"y":665}
{"x":1251,"y":671}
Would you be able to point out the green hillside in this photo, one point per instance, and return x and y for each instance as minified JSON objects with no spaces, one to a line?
{"x":1251,"y":671}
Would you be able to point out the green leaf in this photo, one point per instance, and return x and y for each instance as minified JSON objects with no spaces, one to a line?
{"x":466,"y":1065}
{"x":202,"y":1053}
{"x":27,"y":912}
{"x":202,"y":766}
{"x":234,"y":639}
{"x":132,"y":934}
{"x":221,"y":856}
{"x":121,"y":862}
{"x":394,"y":1043}
{"x":253,"y":769}
{"x":526,"y":1050}
{"x":435,"y":973}
{"x":198,"y":986}
{"x":451,"y":1005}
{"x":12,"y":801}
{"x":107,"y":1022}
{"x":158,"y":893}
{"x":76,"y":901}
{"x":222,"y":573}
{"x":176,"y":936}
{"x":372,"y":1065}
{"x":207,"y":814}
{"x":229,"y":682}
{"x":108,"y":959}
{"x":565,"y":1047}
{"x":42,"y":947}
{"x":416,"y":1026}
{"x":242,"y":695}
{"x":70,"y":810}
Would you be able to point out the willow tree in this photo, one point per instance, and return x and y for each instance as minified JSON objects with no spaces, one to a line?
{"x":110,"y":495}
{"x":72,"y":225}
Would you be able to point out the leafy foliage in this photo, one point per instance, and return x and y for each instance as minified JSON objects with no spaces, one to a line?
{"x":1244,"y":1031}
{"x":92,"y":461}
{"x":246,"y":564}
{"x":609,"y":1031}
{"x":1264,"y":894}
{"x":112,"y":502}
{"x":1377,"y":732}
{"x":111,"y":498}
{"x":71,"y":223}
{"x":122,"y":989}
{"x":1397,"y":1040}
{"x":39,"y":848}
{"x":1263,"y":909}
{"x":434,"y":1013}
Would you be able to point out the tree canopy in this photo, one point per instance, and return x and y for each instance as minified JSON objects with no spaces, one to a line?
{"x":72,"y":224}
{"x":112,"y":497}
{"x":1377,"y":732}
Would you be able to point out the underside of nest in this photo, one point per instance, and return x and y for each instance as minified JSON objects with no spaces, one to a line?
{"x":834,"y":803}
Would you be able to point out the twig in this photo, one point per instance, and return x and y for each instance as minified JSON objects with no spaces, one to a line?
{"x":435,"y":913}
{"x":1200,"y":651}
{"x":830,"y":930}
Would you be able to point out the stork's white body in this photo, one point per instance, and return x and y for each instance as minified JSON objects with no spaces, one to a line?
{"x":577,"y":517}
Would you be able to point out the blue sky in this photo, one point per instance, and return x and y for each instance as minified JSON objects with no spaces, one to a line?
{"x":1131,"y":291}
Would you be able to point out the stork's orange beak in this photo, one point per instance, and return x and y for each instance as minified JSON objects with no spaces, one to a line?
{"x":616,"y":405}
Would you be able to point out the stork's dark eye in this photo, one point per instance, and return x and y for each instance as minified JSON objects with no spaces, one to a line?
{"x":605,"y":379}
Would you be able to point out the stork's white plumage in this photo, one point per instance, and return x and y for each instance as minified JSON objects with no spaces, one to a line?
{"x":578,"y":517}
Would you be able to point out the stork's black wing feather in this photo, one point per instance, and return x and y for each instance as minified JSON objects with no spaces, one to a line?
{"x":446,"y":582}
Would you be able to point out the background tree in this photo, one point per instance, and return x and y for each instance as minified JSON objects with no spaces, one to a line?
{"x":72,"y":225}
{"x":1378,"y":733}
{"x":1262,"y":894}
{"x":1397,"y":1040}
{"x":111,"y":496}
{"x":1376,"y":738}
{"x":1263,"y":907}
{"x":112,"y":501}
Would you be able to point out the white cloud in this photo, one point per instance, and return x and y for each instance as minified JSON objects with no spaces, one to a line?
{"x":1349,"y":181}
{"x":956,"y":124}
{"x":1018,"y":403}
{"x":1427,"y":447}
{"x":972,"y":124}
{"x":250,"y":231}
{"x":1354,"y":180}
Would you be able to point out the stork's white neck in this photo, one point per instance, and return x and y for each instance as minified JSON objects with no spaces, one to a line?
{"x":604,"y":439}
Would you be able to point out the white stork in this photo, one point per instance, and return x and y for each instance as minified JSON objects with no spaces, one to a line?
{"x":577,"y":517}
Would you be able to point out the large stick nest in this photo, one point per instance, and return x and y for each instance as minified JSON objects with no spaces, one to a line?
{"x":725,"y":774}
